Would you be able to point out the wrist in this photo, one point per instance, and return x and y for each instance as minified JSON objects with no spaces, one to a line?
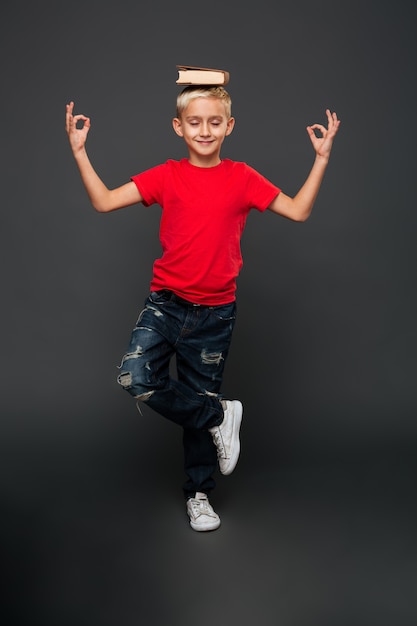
{"x":321,"y":160}
{"x":79,"y":153}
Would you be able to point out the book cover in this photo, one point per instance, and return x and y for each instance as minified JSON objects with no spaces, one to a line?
{"x":192,"y":75}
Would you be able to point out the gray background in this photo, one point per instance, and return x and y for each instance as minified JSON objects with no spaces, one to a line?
{"x":318,"y":520}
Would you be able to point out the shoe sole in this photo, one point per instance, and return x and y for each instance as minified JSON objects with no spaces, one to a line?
{"x":237,"y":416}
{"x":208,"y":527}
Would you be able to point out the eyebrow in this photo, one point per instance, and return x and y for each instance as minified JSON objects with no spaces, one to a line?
{"x":198,"y":117}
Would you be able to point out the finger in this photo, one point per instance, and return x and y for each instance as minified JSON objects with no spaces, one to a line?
{"x":329,"y":118}
{"x":332,"y":117}
{"x":320,"y":128}
{"x":68,"y":114}
{"x":80,"y":117}
{"x":69,"y":108}
{"x":334,"y":123}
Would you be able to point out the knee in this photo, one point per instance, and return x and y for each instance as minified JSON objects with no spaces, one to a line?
{"x":135,"y":383}
{"x":138,"y":377}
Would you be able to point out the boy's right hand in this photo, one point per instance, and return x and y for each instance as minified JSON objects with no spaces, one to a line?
{"x":77,"y":136}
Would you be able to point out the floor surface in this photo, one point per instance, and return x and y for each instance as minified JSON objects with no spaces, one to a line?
{"x":102,"y":539}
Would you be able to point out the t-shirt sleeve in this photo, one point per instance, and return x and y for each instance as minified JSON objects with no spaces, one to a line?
{"x":260,"y":190}
{"x":150,"y":184}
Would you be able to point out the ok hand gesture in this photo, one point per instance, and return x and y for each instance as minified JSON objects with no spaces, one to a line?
{"x":77,"y":136}
{"x":323,"y":145}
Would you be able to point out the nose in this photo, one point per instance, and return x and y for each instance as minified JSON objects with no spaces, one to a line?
{"x":204,"y":129}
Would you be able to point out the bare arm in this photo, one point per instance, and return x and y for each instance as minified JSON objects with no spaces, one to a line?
{"x":102,"y":198}
{"x":300,"y":206}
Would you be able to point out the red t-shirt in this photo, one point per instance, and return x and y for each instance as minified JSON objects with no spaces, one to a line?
{"x":204,"y":212}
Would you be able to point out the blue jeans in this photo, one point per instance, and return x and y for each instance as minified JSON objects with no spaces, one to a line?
{"x":199,"y":336}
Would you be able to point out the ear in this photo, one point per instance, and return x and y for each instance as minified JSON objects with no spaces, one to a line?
{"x":230,"y":125}
{"x":176,"y":125}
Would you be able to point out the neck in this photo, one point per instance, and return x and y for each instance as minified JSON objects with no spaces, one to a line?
{"x":200,"y":161}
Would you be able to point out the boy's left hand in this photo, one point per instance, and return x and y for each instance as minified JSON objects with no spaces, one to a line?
{"x":323,"y":145}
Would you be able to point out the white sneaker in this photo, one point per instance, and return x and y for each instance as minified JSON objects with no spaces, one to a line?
{"x":226,"y":436}
{"x":201,"y":514}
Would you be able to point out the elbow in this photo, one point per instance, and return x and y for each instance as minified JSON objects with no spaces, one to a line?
{"x":101,"y":207}
{"x":304,"y":217}
{"x":301,"y":216}
{"x":103,"y":202}
{"x":300,"y":211}
{"x":304,"y":214}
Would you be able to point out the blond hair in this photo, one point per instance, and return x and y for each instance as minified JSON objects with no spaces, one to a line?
{"x":201,"y":91}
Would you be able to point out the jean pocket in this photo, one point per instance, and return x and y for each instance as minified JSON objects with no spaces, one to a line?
{"x":225,"y":312}
{"x":159,"y":297}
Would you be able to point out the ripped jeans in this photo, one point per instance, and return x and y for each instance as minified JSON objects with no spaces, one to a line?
{"x":199,"y":336}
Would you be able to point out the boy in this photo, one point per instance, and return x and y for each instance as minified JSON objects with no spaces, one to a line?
{"x":191,"y":307}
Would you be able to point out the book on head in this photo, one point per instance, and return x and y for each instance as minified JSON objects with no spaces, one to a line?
{"x":190,"y":75}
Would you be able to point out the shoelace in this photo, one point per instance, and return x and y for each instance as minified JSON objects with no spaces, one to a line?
{"x":218,"y":441}
{"x":201,"y":507}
